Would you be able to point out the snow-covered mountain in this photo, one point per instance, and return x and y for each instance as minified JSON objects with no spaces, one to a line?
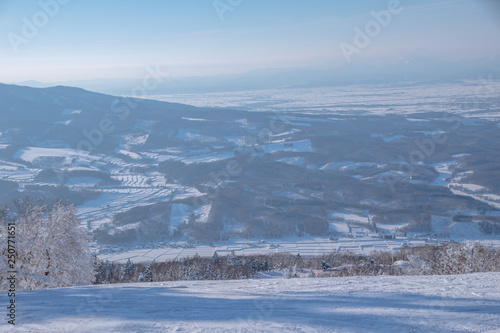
{"x":416,"y":69}
{"x":149,"y":172}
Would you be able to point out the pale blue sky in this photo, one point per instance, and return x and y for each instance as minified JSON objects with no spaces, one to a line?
{"x":118,"y":39}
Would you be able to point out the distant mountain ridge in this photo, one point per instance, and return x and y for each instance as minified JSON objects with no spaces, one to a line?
{"x":415,"y":69}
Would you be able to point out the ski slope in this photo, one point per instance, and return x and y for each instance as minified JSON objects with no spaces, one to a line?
{"x":456,"y":303}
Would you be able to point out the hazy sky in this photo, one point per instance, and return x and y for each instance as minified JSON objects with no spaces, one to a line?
{"x":84,"y":39}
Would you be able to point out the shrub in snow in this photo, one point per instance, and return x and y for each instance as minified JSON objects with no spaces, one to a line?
{"x":51,"y":249}
{"x":462,"y":258}
{"x":414,"y":266}
{"x":453,"y":258}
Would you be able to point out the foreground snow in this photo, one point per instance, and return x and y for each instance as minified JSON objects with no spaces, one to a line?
{"x":459,"y":303}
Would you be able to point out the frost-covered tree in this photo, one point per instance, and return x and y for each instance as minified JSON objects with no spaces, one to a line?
{"x":52,"y":249}
{"x":149,"y":274}
{"x":216,"y":258}
{"x":462,"y":258}
{"x":127,"y":272}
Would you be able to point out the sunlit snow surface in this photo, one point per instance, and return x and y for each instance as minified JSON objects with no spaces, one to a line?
{"x":29,"y":154}
{"x":389,"y":304}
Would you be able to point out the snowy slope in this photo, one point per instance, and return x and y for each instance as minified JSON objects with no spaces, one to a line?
{"x":461,"y":303}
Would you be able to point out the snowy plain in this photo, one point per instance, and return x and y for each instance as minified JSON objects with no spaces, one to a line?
{"x":453,"y":303}
{"x":352,"y":99}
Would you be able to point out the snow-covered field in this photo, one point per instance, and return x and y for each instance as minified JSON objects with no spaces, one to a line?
{"x":314,"y":246}
{"x":29,"y":154}
{"x":116,"y":200}
{"x":455,"y":303}
{"x":381,"y":99}
{"x":472,"y":190}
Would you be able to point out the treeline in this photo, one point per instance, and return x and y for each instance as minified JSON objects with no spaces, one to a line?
{"x":217,"y":267}
{"x":453,"y":258}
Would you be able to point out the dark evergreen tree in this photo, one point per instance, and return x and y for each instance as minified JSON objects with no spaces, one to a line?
{"x":149,"y":274}
{"x":127,"y":272}
{"x":215,"y":258}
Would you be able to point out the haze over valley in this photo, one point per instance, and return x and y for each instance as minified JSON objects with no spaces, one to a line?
{"x":150,"y":174}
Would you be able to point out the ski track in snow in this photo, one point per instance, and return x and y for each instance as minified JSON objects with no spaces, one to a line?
{"x":454,"y":303}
